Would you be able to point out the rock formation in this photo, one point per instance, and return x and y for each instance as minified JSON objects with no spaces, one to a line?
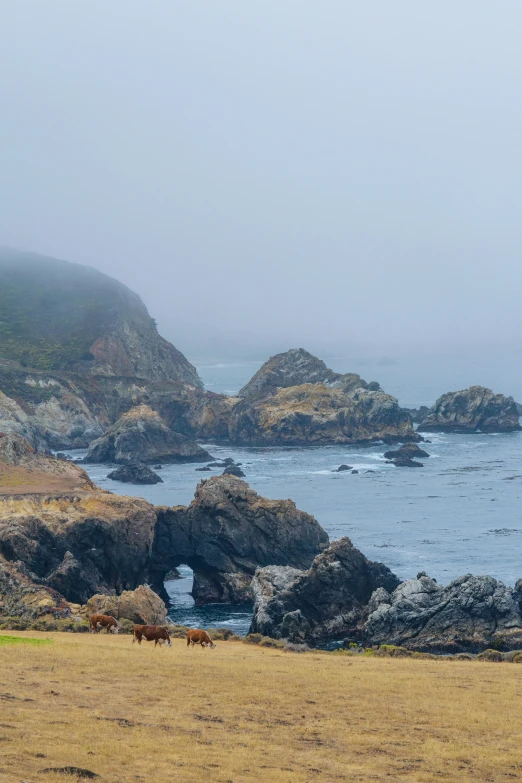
{"x":408,"y":451}
{"x":22,"y":469}
{"x":470,"y":614}
{"x":135,"y":474}
{"x":226,"y":533}
{"x":141,"y":435}
{"x":315,"y":414}
{"x":78,"y":544}
{"x":24,"y":600}
{"x":142,"y":606}
{"x":64,"y":316}
{"x":295,"y":368}
{"x":325,"y":602}
{"x":472,"y":409}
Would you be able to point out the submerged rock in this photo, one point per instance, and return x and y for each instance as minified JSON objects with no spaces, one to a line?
{"x":325,"y":602}
{"x":476,"y":408}
{"x":470,"y":614}
{"x":141,"y":435}
{"x":408,"y":450}
{"x":406,"y":462}
{"x":342,"y":468}
{"x":226,"y":533}
{"x":135,"y":474}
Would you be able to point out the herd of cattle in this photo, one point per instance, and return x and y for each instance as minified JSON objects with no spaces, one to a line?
{"x":151,"y":633}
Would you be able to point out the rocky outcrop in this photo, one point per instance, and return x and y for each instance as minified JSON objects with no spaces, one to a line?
{"x":135,"y":474}
{"x":141,"y":435}
{"x":472,"y":409}
{"x":64,"y":316}
{"x":79,"y":544}
{"x":23,"y":469}
{"x":325,"y":602}
{"x":24,"y":600}
{"x":470,"y":614}
{"x":142,"y":606}
{"x":418,"y":414}
{"x":295,"y":368}
{"x":315,"y":414}
{"x":406,"y":451}
{"x":226,"y":533}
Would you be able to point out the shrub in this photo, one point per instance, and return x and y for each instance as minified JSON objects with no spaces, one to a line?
{"x":490,"y":655}
{"x":266,"y":641}
{"x":391,"y":651}
{"x":253,"y":638}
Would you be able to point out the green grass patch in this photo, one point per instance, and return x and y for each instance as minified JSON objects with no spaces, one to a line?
{"x":5,"y":640}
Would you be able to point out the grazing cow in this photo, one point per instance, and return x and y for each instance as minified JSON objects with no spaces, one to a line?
{"x":99,"y":621}
{"x":152,"y":633}
{"x":199,"y":637}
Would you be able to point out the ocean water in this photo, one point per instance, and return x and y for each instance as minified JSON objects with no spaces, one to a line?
{"x":460,"y":513}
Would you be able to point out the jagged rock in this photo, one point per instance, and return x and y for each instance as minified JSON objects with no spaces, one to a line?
{"x":342,"y":468}
{"x":80,"y":543}
{"x":407,"y":450}
{"x":23,"y":469}
{"x":233,"y":470}
{"x":295,"y":368}
{"x":472,"y":409}
{"x":470,"y":614}
{"x":418,"y":414}
{"x":135,"y":474}
{"x":315,"y":414}
{"x":20,"y":597}
{"x":141,"y":435}
{"x":226,"y":533}
{"x":142,"y":606}
{"x":326,"y":602}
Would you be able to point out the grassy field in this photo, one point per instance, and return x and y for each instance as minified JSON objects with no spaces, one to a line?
{"x":243,"y":713}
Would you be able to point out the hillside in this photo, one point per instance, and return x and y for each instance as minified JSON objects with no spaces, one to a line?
{"x":55,"y":315}
{"x":243,"y":713}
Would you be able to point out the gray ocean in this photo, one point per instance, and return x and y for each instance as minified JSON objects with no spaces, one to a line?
{"x":460,"y":513}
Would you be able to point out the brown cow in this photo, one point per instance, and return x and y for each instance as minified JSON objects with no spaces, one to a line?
{"x":99,"y":621}
{"x":152,"y":633}
{"x":199,"y":637}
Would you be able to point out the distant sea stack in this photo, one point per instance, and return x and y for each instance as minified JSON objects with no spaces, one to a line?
{"x":61,"y":316}
{"x":470,"y":410}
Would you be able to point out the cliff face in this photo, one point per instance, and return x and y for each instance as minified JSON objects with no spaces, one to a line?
{"x":61,"y":316}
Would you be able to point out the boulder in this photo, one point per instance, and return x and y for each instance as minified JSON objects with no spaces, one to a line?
{"x":473,"y":409}
{"x":80,"y":543}
{"x":406,"y":462}
{"x":142,"y":606}
{"x":135,"y":474}
{"x":407,"y":450}
{"x":326,"y":602}
{"x":295,"y":368}
{"x":141,"y":435}
{"x":342,"y":468}
{"x":316,"y":414}
{"x":233,"y":470}
{"x":470,"y":614}
{"x":226,"y":533}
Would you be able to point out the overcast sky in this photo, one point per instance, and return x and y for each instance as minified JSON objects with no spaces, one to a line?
{"x":340,"y":175}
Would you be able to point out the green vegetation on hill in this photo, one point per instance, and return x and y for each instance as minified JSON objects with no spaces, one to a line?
{"x":52,"y":312}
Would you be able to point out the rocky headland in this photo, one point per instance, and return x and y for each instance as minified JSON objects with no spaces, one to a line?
{"x":471,"y":410}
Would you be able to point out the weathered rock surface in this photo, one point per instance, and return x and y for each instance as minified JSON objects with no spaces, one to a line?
{"x":79,"y":544}
{"x":226,"y":533}
{"x":472,"y":409}
{"x":141,"y":435}
{"x":141,"y":606}
{"x":135,"y":474}
{"x":23,"y":469}
{"x":21,"y":598}
{"x":407,"y":450}
{"x":315,"y":414}
{"x":295,"y":368}
{"x":418,"y":414}
{"x":65,"y":316}
{"x":325,"y":602}
{"x":470,"y":614}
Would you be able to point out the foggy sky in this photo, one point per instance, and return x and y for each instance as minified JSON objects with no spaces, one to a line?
{"x":336,"y":175}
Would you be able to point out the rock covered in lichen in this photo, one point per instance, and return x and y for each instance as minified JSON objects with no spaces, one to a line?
{"x":476,"y":408}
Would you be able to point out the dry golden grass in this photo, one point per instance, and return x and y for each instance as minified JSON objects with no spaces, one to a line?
{"x":242,"y":713}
